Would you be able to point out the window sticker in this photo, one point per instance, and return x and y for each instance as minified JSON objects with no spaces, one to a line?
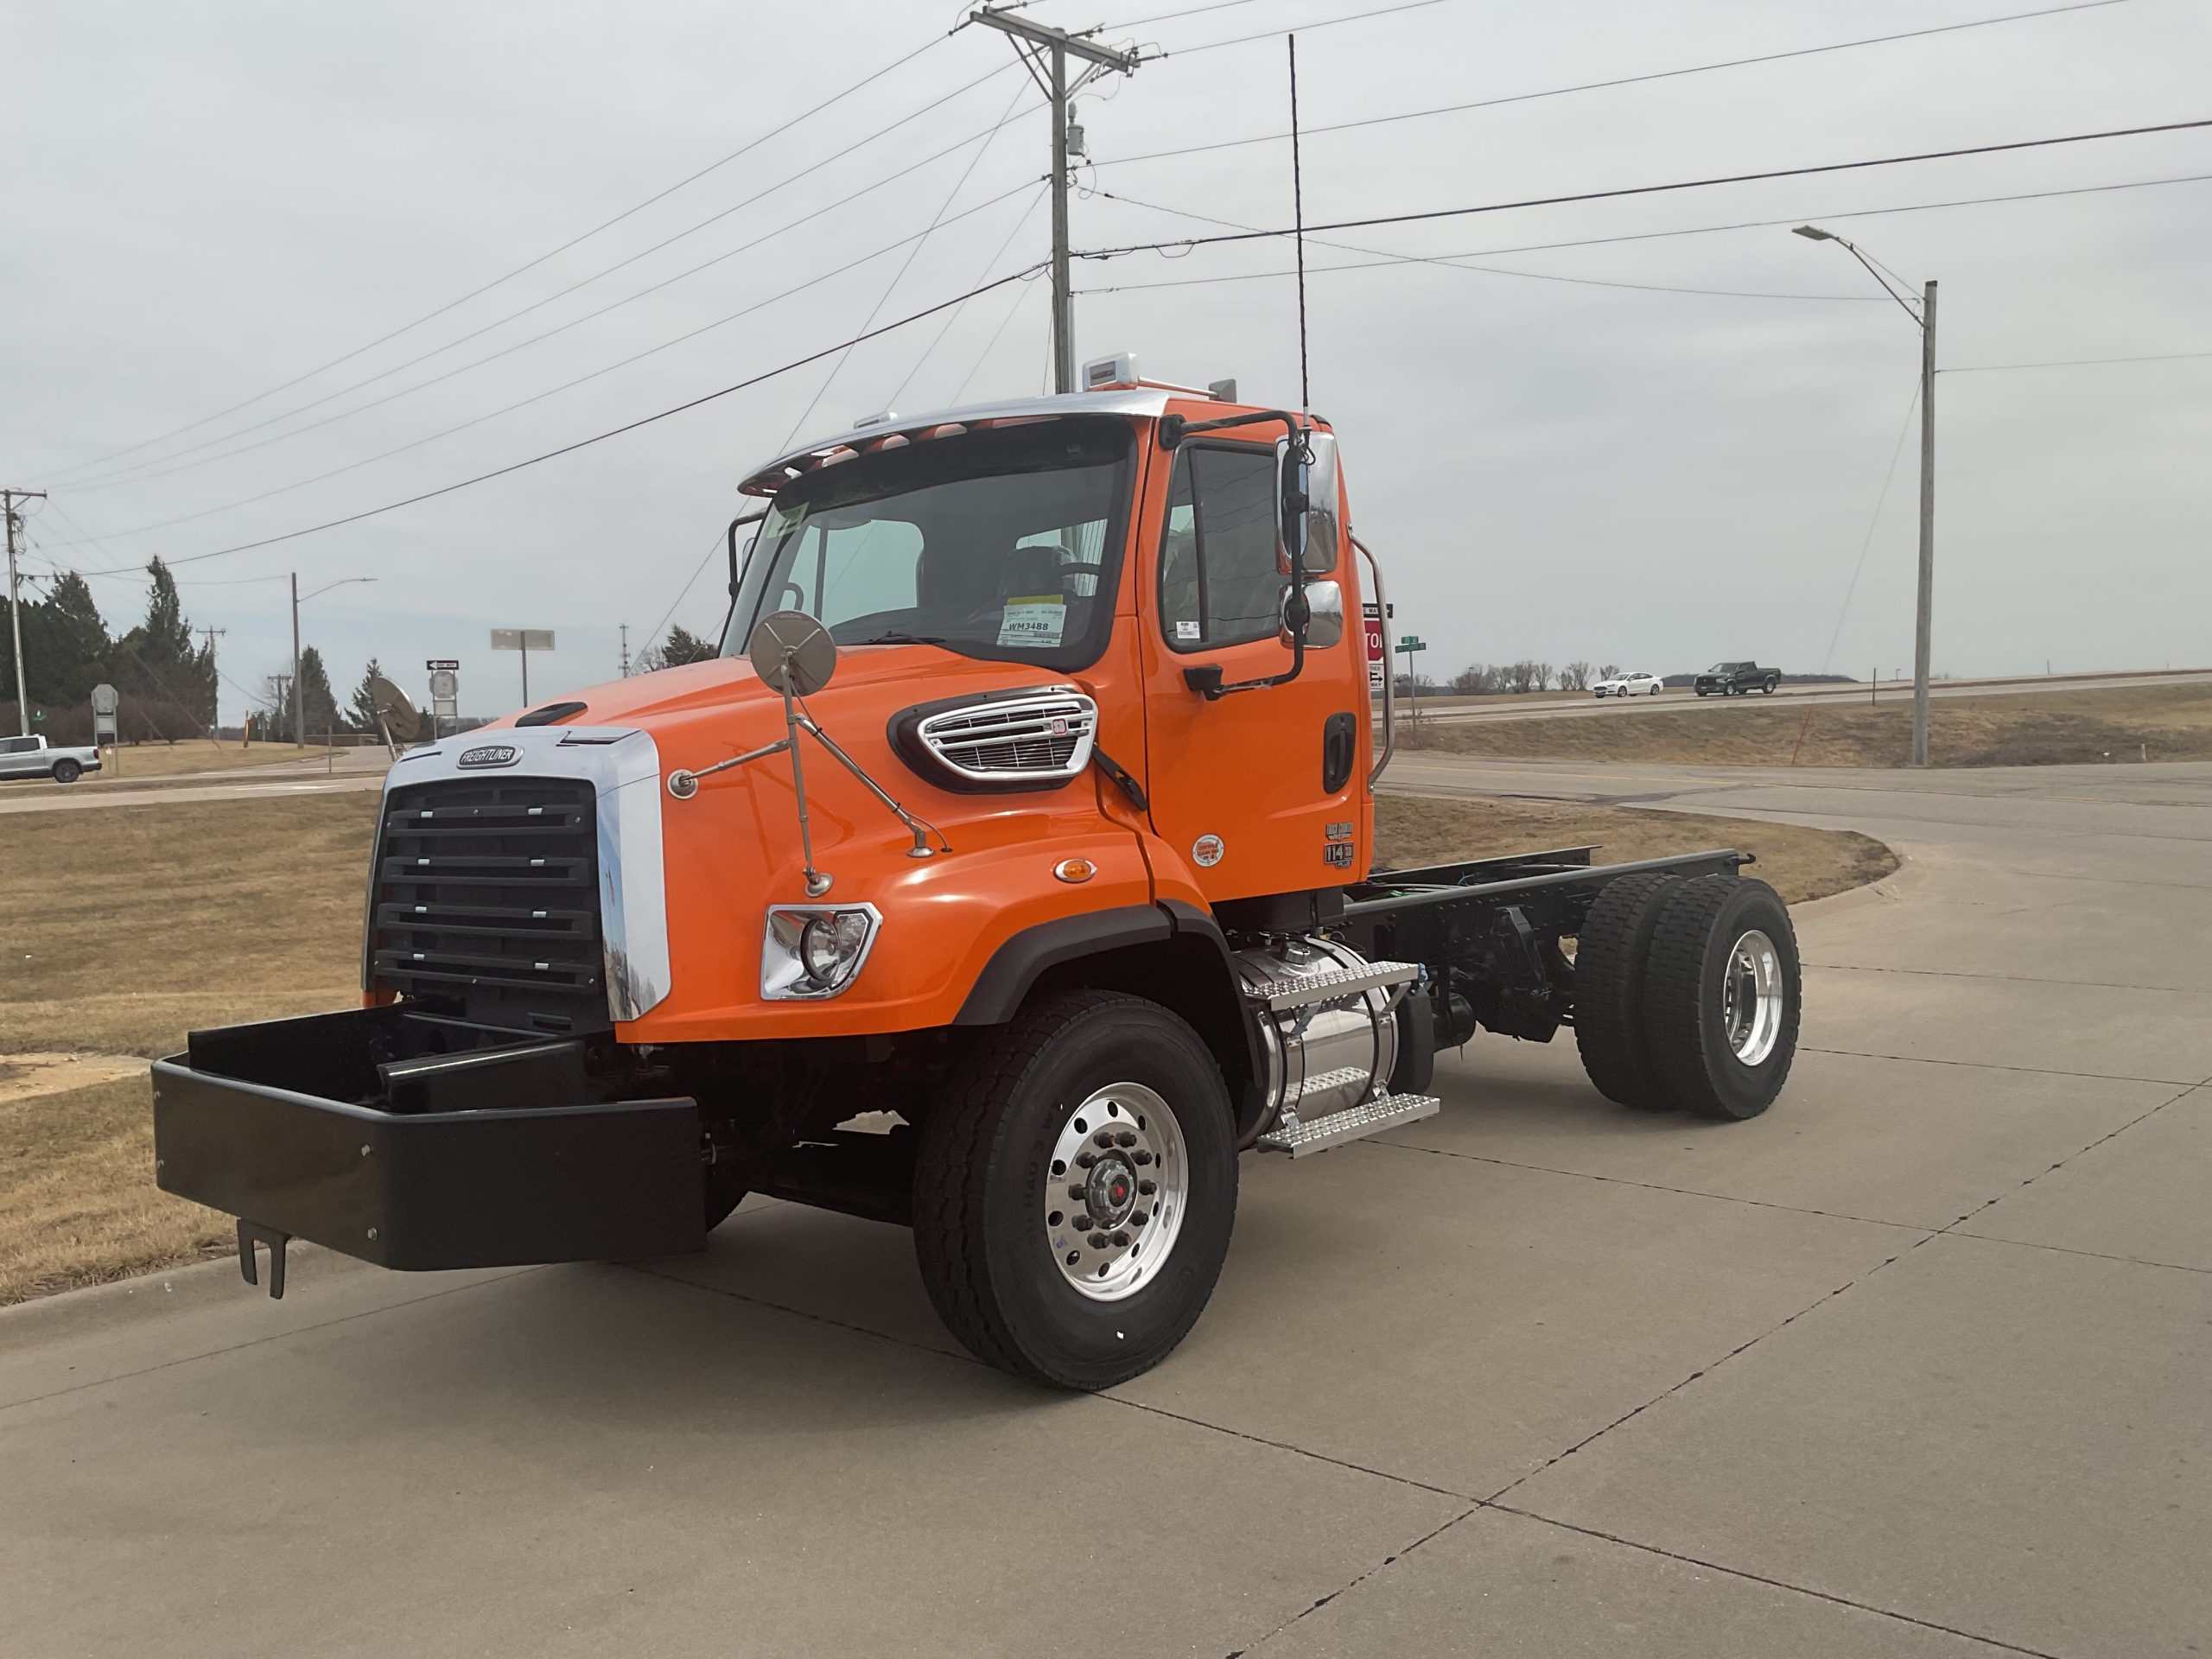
{"x":1185,"y":629}
{"x":1033,"y":623}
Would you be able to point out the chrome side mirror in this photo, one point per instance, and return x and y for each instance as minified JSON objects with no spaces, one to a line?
{"x":1306,"y":515}
{"x":1325,"y":607}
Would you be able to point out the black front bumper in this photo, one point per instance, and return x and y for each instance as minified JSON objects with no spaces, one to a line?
{"x":420,"y":1144}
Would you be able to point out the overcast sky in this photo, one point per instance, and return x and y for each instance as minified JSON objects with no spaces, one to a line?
{"x":205,"y":201}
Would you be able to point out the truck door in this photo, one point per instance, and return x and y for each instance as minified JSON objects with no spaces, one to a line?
{"x":1259,"y":792}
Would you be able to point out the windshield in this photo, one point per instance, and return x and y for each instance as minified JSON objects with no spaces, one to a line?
{"x":1722,"y":668}
{"x":1000,"y":544}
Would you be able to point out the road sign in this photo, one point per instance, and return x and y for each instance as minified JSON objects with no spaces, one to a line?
{"x":103,"y":726}
{"x":447,"y":665}
{"x":1378,"y":655}
{"x":1412,"y":642}
{"x":445,"y":686}
{"x":105,"y":701}
{"x":522,"y":639}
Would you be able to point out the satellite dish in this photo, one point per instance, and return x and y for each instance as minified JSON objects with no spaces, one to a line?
{"x":792,"y":651}
{"x":403,"y":721}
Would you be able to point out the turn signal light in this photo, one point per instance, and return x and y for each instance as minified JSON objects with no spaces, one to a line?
{"x":1075,"y":869}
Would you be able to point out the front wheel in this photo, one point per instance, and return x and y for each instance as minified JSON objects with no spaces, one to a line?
{"x":66,"y":772}
{"x":1076,"y":1189}
{"x":1768,"y":689}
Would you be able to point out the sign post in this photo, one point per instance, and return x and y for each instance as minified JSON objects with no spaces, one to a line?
{"x":1410,"y":644}
{"x":525,"y":641}
{"x":104,"y":703}
{"x":445,"y":692}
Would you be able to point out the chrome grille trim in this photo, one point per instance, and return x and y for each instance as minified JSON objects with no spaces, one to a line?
{"x":1023,"y":738}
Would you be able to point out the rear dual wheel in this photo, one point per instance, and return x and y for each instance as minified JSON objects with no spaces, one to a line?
{"x":1687,"y":994}
{"x":1075,"y":1190}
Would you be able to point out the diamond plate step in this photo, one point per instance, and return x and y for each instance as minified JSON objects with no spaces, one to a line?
{"x":1384,"y":1112}
{"x":1322,"y":1082}
{"x":1309,"y":989}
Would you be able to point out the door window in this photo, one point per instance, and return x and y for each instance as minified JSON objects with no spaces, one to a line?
{"x":1220,"y":579}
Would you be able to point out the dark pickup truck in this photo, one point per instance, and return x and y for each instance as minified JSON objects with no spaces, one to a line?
{"x":1738,"y":680}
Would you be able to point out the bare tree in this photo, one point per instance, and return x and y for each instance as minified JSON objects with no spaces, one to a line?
{"x":1521,"y":677}
{"x":1544,"y":676}
{"x":1608,"y":670}
{"x":1474,"y":679}
{"x":1575,"y":676}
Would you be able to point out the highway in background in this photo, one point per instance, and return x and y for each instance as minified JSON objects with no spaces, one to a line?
{"x":1563,"y":703}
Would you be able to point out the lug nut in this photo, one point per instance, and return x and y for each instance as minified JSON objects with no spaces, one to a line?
{"x":1085,"y":1160}
{"x":1104,"y":1138}
{"x":1147,"y":1188}
{"x":1125,"y":1138}
{"x":1075,"y":1190}
{"x":1140,"y":1158}
{"x":1138,"y":1217}
{"x":1097,"y":1241}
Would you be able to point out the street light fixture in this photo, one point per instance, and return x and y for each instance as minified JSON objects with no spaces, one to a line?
{"x":1924,"y":319}
{"x":299,"y":721}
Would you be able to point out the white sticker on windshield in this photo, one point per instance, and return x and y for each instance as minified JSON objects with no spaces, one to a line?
{"x":1185,"y":629}
{"x":1035,"y":623}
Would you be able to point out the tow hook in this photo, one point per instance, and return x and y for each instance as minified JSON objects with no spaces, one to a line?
{"x":250,"y":1234}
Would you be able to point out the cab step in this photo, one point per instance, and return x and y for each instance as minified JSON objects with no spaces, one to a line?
{"x":1336,"y":983}
{"x":1354,"y":1123}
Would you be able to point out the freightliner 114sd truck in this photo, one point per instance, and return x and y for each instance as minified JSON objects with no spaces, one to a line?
{"x":1009,"y":875}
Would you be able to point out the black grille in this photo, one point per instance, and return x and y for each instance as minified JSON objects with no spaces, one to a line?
{"x":487,"y":895}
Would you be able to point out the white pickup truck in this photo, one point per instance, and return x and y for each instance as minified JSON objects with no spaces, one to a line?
{"x":29,"y":756}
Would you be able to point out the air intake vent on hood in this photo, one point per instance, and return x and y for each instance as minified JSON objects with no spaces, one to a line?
{"x":999,"y":739}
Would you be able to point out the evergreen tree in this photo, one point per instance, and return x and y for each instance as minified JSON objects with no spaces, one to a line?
{"x":683,"y":646}
{"x":317,"y":707}
{"x":172,"y":685}
{"x":361,"y":715}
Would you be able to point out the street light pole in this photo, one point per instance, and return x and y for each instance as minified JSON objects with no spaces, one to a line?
{"x":1924,"y":625}
{"x":15,"y":600}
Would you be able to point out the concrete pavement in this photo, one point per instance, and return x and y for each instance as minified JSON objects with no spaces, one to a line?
{"x":1915,"y":1365}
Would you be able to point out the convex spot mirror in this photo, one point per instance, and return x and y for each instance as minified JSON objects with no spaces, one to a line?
{"x":1325,"y":615}
{"x":1306,"y":514}
{"x":791,"y":652}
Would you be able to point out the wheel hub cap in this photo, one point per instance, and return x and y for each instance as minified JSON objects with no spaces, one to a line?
{"x":1115,"y":1190}
{"x":1752,"y":997}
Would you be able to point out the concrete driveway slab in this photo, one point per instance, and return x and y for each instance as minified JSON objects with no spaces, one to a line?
{"x":1506,"y":1583}
{"x":2002,"y":1439}
{"x":2142,"y":1194}
{"x":1881,"y":1139}
{"x":1460,"y":1323}
{"x":594,"y":1460}
{"x":2084,"y":1030}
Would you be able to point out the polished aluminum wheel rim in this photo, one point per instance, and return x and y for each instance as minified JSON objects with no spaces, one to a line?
{"x":1115,"y":1191}
{"x":1752,"y":997}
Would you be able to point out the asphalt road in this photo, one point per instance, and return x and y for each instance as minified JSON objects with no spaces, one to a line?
{"x":1573,"y":704}
{"x":1915,"y":1365}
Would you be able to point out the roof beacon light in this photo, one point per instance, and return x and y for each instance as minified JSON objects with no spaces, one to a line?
{"x":1109,"y":374}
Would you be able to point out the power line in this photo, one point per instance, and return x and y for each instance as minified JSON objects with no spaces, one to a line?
{"x":1454,"y":263}
{"x":136,"y":472}
{"x":2073,"y":363}
{"x":983,"y":356}
{"x":1277,"y":33}
{"x":938,"y":339}
{"x":539,"y":396}
{"x":1694,"y":230}
{"x":518,"y":270}
{"x":1619,"y":80}
{"x":1875,"y":519}
{"x":1620,"y":192}
{"x":612,"y":432}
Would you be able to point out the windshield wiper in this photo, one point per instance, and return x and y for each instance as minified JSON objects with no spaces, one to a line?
{"x":895,"y":638}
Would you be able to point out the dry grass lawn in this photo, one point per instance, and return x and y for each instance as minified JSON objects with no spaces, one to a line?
{"x":2126,"y":723}
{"x":179,"y":760}
{"x":1801,"y":863}
{"x":125,"y":930}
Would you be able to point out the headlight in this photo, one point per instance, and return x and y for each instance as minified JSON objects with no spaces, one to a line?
{"x":815,"y":950}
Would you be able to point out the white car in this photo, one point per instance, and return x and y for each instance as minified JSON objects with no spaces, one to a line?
{"x":1628,"y":685}
{"x":31,"y":757}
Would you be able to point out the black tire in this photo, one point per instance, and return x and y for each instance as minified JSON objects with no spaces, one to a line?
{"x":67,"y":771}
{"x":1768,"y":689}
{"x":1701,"y":690}
{"x":1609,"y":954}
{"x":1686,"y":1029}
{"x":985,"y":1161}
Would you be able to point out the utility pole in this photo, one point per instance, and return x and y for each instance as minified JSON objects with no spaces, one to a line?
{"x":1045,"y":52}
{"x":7,"y":499}
{"x":299,"y":721}
{"x":217,"y":722}
{"x":1922,"y":625}
{"x":625,"y":653}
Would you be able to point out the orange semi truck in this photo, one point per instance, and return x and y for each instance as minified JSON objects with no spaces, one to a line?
{"x":1009,"y":875}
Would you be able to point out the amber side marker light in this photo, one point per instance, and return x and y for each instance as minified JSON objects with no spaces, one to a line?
{"x":1075,"y":869}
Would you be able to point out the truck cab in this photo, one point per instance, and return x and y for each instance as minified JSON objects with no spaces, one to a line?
{"x":1737,"y":680}
{"x":1009,"y":874}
